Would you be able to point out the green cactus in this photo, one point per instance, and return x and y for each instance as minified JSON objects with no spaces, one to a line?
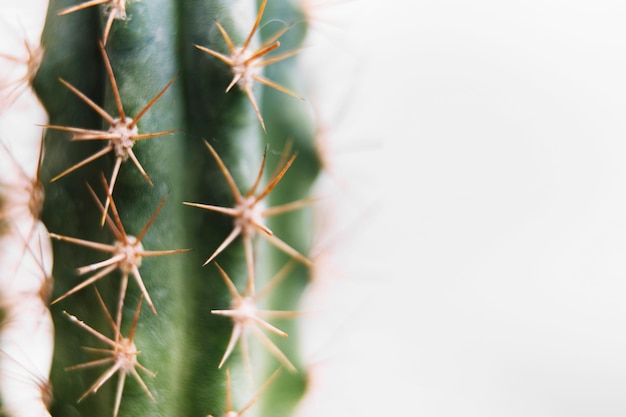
{"x":197,"y":158}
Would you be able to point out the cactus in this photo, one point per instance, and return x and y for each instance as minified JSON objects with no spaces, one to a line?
{"x":178,"y":163}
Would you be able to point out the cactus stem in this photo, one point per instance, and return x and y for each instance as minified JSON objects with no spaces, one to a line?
{"x":244,"y":63}
{"x":123,"y":355}
{"x":116,"y":10}
{"x":246,"y":316}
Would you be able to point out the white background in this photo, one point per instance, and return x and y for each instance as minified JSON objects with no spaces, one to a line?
{"x":483,"y":270}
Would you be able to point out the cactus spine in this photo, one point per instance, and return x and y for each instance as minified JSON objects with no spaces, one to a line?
{"x":140,"y":122}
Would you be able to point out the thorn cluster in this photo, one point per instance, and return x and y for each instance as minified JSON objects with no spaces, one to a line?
{"x":247,"y":318}
{"x":127,"y":253}
{"x":248,"y":214}
{"x":116,"y":9}
{"x":32,"y":62}
{"x":123,"y":355}
{"x":121,"y":135}
{"x":246,"y":63}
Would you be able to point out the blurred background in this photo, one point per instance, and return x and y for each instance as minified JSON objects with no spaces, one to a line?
{"x":477,"y":262}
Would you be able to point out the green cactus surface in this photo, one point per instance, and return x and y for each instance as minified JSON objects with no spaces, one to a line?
{"x":178,"y":172}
